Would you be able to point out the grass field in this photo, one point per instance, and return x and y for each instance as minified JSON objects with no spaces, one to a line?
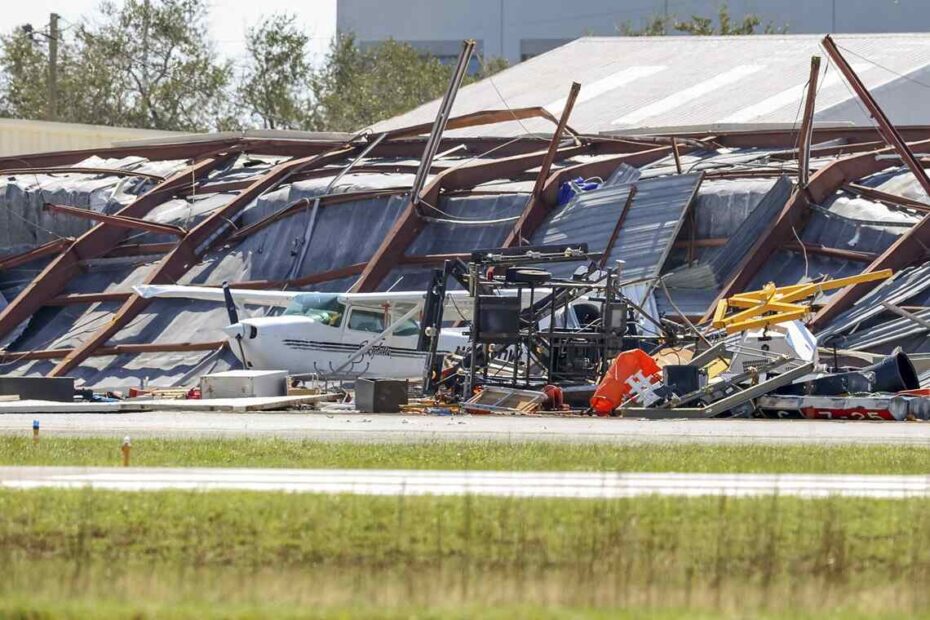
{"x":84,"y":553}
{"x":473,"y":455}
{"x":182,"y":554}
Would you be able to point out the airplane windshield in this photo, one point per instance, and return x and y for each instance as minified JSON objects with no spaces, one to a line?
{"x":321,"y":308}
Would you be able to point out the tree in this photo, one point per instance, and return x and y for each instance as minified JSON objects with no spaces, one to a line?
{"x":275,"y":87}
{"x":164,"y":61}
{"x":356,"y":88}
{"x":702,"y":26}
{"x":24,"y":65}
{"x":146,"y":63}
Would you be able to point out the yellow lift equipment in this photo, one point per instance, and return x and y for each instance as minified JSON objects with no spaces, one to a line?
{"x":777,"y":304}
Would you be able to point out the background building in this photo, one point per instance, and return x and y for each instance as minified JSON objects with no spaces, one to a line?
{"x":520,"y":29}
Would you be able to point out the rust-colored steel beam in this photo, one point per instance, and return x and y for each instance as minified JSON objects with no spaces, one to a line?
{"x":178,"y":150}
{"x":884,"y":197}
{"x":840,"y":253}
{"x":618,"y":226}
{"x":807,"y":124}
{"x":300,"y":205}
{"x":433,"y":259}
{"x":46,"y":249}
{"x":475,"y":119}
{"x":73,"y":299}
{"x":120,"y":221}
{"x":780,"y":233}
{"x":167,"y":347}
{"x":536,"y":209}
{"x":140,"y":249}
{"x":888,"y":131}
{"x":546,"y":167}
{"x":409,"y":224}
{"x":787,"y":138}
{"x":715,"y":242}
{"x":97,"y":242}
{"x":111,"y":172}
{"x":189,"y":249}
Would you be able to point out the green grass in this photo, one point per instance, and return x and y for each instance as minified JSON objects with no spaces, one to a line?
{"x":225,"y":554}
{"x":885,"y":459}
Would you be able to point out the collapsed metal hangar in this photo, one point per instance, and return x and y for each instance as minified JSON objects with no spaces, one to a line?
{"x":713,"y":211}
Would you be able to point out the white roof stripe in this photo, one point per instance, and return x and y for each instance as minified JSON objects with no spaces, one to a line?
{"x":788,"y":96}
{"x":607,"y":84}
{"x":682,"y":97}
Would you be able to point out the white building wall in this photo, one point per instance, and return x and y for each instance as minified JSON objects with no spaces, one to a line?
{"x":515,"y":29}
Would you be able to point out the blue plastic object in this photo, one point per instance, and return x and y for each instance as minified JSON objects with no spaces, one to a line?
{"x":568,"y":189}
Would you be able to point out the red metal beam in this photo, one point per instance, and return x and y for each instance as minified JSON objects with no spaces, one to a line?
{"x":475,"y":119}
{"x":887,"y":198}
{"x":72,"y":299}
{"x":46,"y":249}
{"x":120,"y":221}
{"x":167,"y":347}
{"x":191,"y":248}
{"x":112,"y":172}
{"x":96,"y":242}
{"x":140,"y":249}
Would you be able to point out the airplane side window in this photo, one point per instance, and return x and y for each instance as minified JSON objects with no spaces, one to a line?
{"x":324,"y":309}
{"x":366,"y":321}
{"x":407,"y":328}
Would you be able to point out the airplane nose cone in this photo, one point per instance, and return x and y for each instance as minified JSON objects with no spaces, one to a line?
{"x":240,"y":329}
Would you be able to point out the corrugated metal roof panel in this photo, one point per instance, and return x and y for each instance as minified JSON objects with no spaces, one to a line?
{"x":590,"y":217}
{"x":652,"y":224}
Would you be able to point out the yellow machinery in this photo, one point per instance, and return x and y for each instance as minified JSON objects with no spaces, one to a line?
{"x":777,"y":304}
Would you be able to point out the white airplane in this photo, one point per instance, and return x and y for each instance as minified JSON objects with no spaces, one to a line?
{"x":332,"y":335}
{"x":344,"y":335}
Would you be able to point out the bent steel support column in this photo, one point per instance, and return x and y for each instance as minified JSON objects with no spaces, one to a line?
{"x":546,"y":166}
{"x":807,"y":124}
{"x":97,"y":242}
{"x":439,"y":125}
{"x":190,"y":248}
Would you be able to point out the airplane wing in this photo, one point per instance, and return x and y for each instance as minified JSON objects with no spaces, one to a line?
{"x":254,"y":297}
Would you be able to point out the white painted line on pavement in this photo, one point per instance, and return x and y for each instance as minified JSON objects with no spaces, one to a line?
{"x":490,"y":483}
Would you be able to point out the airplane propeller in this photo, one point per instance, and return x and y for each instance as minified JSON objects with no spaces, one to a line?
{"x":233,"y":319}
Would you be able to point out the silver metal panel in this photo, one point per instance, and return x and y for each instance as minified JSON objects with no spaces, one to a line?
{"x":590,"y":217}
{"x":652,"y":224}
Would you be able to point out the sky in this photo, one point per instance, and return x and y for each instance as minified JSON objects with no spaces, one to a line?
{"x":229,"y":19}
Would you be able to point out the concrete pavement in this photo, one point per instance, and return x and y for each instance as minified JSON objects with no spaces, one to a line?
{"x":414,"y":428}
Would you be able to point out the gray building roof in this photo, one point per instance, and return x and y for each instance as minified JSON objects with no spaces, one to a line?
{"x":631,"y":84}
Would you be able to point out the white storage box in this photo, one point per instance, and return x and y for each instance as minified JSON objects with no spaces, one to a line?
{"x":244,"y":384}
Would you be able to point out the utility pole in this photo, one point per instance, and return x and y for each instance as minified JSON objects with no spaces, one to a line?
{"x":53,"y":36}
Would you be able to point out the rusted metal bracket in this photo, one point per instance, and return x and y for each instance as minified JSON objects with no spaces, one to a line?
{"x":120,"y":221}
